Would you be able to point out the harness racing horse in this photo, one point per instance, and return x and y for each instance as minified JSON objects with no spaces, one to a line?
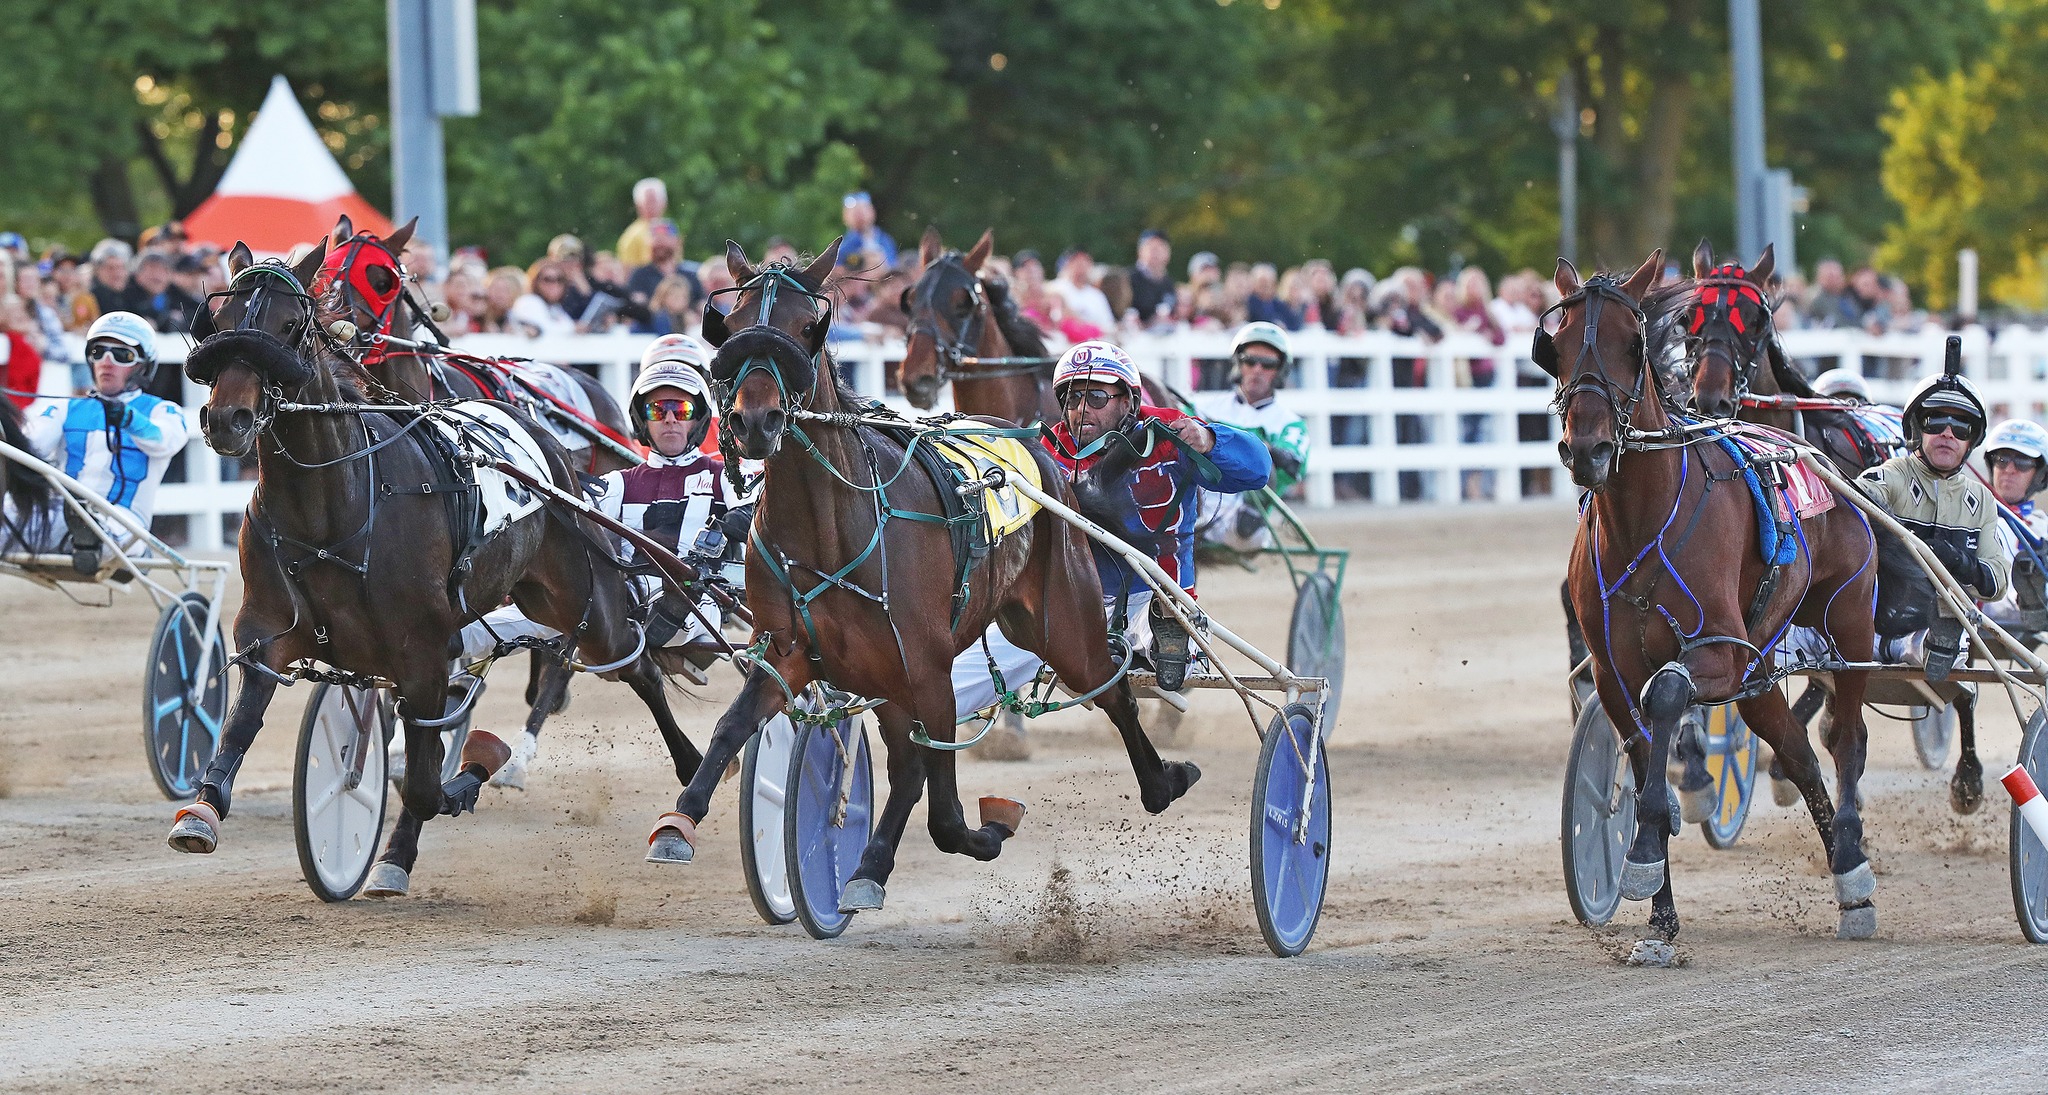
{"x":967,"y":331}
{"x":1728,"y":341}
{"x":357,"y":550}
{"x":850,"y":578}
{"x":1664,"y":579}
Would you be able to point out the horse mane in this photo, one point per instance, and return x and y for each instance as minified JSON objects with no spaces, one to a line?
{"x":1023,"y":335}
{"x":27,"y":487}
{"x":1664,"y":333}
{"x":1790,"y":380}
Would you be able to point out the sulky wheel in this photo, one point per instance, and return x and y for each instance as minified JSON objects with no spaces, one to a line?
{"x":1315,"y":636}
{"x":827,"y":819}
{"x":338,"y":787}
{"x":1290,"y":843}
{"x":181,"y":714}
{"x":1933,"y":729}
{"x":2029,"y":857}
{"x":1599,"y":817}
{"x":763,"y":768}
{"x":1731,"y":763}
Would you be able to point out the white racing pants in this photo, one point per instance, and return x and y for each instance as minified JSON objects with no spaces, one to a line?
{"x":974,"y":689}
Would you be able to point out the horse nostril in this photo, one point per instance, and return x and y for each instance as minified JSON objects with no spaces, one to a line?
{"x":204,"y":416}
{"x":242,"y":420}
{"x":773,"y":420}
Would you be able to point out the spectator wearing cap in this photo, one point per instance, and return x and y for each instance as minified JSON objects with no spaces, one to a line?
{"x":1264,"y":304}
{"x":1088,"y":314}
{"x":666,"y":245}
{"x":857,"y":212}
{"x":15,"y":247}
{"x":110,"y":286}
{"x":1153,"y":298}
{"x":636,"y":243}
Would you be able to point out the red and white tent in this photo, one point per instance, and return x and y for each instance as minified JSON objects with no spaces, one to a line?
{"x":283,"y":188}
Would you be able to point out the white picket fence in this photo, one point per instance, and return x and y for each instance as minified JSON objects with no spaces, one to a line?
{"x":1390,"y":419}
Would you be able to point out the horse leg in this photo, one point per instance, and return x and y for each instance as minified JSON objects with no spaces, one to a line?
{"x":948,"y":823}
{"x":1784,"y":791}
{"x":644,"y":678}
{"x":1966,"y":788}
{"x":1644,"y":872}
{"x":423,"y":793}
{"x":865,"y":889}
{"x":545,"y":695}
{"x":760,"y":699}
{"x":1855,"y":885}
{"x":196,"y":828}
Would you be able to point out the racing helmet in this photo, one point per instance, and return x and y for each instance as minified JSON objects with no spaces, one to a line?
{"x":2026,"y":438}
{"x":129,"y":330}
{"x":673,"y":361}
{"x":1842,"y":383}
{"x":1270,"y":334}
{"x":1095,"y":360}
{"x":1945,"y":391}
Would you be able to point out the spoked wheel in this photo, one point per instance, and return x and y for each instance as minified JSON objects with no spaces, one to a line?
{"x":1291,"y":830}
{"x":338,"y":787}
{"x":827,"y":819}
{"x":1933,"y":729}
{"x":1315,"y":636}
{"x":1599,"y":817}
{"x":763,"y":768}
{"x":2029,"y":856}
{"x":1731,"y":763}
{"x":181,"y":715}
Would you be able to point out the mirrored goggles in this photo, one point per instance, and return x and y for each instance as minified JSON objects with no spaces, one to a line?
{"x":654,"y":410}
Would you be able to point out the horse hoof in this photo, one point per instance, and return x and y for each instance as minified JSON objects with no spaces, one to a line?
{"x":513,"y":774}
{"x":861,"y":895}
{"x":1856,"y":885}
{"x":387,"y":880}
{"x":1858,"y":923}
{"x":1965,"y":796}
{"x":670,"y":840}
{"x":1655,"y":953}
{"x":1641,"y":881}
{"x":1696,"y":806}
{"x":1784,"y":792}
{"x":196,"y":829}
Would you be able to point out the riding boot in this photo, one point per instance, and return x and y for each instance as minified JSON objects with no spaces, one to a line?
{"x":85,"y":542}
{"x":1944,"y":645}
{"x":1170,"y":643}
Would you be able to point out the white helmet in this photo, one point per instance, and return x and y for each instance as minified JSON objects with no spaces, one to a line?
{"x":1272,"y":334}
{"x":132,"y":331}
{"x":1946,"y":392}
{"x":673,"y":361}
{"x":2025,"y":438}
{"x":1839,"y":383}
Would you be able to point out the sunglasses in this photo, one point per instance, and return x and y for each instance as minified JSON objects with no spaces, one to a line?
{"x":1260,"y":362}
{"x":2019,"y":463}
{"x":122,"y":355}
{"x":677,"y":409}
{"x":1962,"y":429}
{"x":549,"y":279}
{"x":1096,"y":398}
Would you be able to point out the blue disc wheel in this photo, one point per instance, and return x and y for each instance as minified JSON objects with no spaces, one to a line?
{"x":181,"y":711}
{"x":1731,"y":764}
{"x":1291,"y":831}
{"x":2029,"y":855}
{"x":828,"y":816}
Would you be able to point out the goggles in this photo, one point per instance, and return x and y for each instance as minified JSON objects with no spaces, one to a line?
{"x":1096,"y":398}
{"x":1259,"y":361}
{"x":2012,"y":460}
{"x":122,"y":355}
{"x":680,"y":410}
{"x":1962,"y":429}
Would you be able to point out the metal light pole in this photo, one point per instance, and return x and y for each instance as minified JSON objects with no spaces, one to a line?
{"x":1565,"y":124}
{"x":1745,"y":37}
{"x":432,"y":45}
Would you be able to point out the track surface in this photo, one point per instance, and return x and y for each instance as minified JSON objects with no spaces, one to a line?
{"x":1105,"y":947}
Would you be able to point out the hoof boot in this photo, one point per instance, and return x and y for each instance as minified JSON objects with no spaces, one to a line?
{"x":861,"y":895}
{"x":1858,"y":923}
{"x":388,"y":880}
{"x":1641,"y":881}
{"x":1653,"y":952}
{"x":1855,"y":886}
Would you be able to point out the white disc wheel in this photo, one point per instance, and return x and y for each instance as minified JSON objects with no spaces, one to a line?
{"x":763,"y":769}
{"x":338,"y":787}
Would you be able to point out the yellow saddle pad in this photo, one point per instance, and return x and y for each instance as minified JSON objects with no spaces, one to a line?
{"x":1004,"y":509}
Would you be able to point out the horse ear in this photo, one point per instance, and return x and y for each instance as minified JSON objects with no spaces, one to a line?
{"x":930,"y":247}
{"x":737,"y":265}
{"x":823,"y":264}
{"x":396,"y":241}
{"x":239,"y":258}
{"x":309,"y":267}
{"x":1567,"y":279}
{"x":1766,"y":264}
{"x":343,"y":229}
{"x":979,"y":253}
{"x":1646,"y":275}
{"x":1702,"y":258}
{"x":713,"y":331}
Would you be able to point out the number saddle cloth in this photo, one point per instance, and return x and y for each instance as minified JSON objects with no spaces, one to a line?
{"x":980,"y":519}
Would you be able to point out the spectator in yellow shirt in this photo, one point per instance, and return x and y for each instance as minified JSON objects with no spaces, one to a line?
{"x":636,"y":245}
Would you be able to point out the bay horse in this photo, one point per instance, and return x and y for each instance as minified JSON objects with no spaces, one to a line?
{"x":1732,"y":352}
{"x":349,"y":558}
{"x":841,"y":593}
{"x":1664,"y":580}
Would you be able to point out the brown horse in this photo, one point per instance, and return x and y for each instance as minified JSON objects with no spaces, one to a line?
{"x":348,"y":560}
{"x":965,"y":330}
{"x":1664,"y":579}
{"x":842,"y":593}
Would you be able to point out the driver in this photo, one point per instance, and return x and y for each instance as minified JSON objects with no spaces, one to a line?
{"x":1953,"y":513}
{"x":116,"y":441}
{"x":2017,"y":454}
{"x":1258,"y":366}
{"x":680,"y":497}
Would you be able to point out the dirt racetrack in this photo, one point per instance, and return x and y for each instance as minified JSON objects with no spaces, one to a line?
{"x":1105,"y":950}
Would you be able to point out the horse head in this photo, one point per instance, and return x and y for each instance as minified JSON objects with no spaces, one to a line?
{"x":1604,"y":384}
{"x":250,"y":349}
{"x":776,"y":363}
{"x":949,"y":315}
{"x":362,"y":279}
{"x":1726,"y":329}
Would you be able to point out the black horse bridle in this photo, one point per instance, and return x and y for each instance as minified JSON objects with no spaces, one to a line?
{"x":954,"y":354}
{"x":1621,"y":403}
{"x":267,"y":283}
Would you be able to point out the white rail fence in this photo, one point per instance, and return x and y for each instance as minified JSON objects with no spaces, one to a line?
{"x":1390,"y":419}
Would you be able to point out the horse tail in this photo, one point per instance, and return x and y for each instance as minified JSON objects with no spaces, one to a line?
{"x":1905,"y":594}
{"x":28,"y":488}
